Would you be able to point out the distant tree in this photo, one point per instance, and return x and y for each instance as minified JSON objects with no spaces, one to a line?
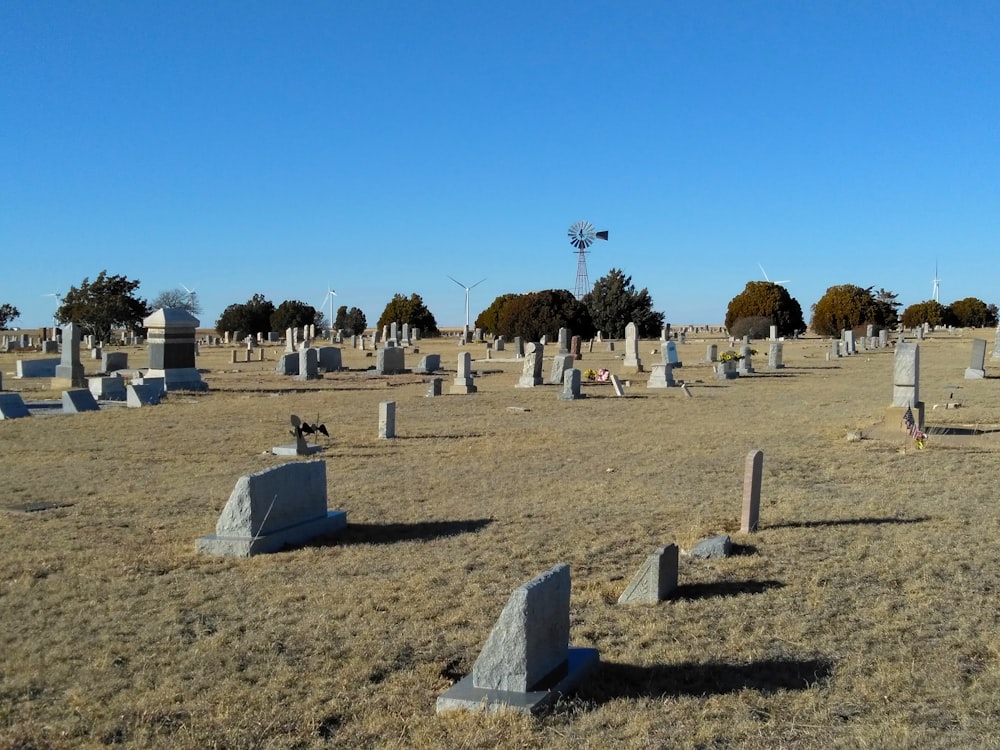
{"x":102,"y":305}
{"x":8,"y":314}
{"x":931,"y":312}
{"x":847,"y":306}
{"x":411,"y":310}
{"x":972,"y":312}
{"x":177,"y":299}
{"x":756,"y":327}
{"x":538,"y":314}
{"x":294,"y":314}
{"x":253,"y":316}
{"x":352,"y":321}
{"x":887,"y":307}
{"x":489,"y":319}
{"x":765,"y":299}
{"x":613,"y":303}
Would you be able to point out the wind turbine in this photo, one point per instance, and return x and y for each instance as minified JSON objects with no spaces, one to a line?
{"x":467,"y":290}
{"x":330,"y":294}
{"x":58,"y":298}
{"x":785,"y":281}
{"x":937,"y":284}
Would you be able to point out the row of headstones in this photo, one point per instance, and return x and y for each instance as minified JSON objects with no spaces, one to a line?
{"x":76,"y":400}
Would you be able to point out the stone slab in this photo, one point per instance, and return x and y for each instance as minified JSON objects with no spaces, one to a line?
{"x":213,"y":544}
{"x":655,"y":579}
{"x":139,"y":395}
{"x":78,"y":400}
{"x":12,"y":406}
{"x":292,"y":450}
{"x":716,"y":546}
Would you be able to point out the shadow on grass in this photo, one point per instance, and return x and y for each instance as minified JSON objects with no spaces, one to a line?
{"x":391,"y":533}
{"x":723,"y":588}
{"x":932,"y":430}
{"x":456,"y":436}
{"x":614,"y":681}
{"x":845,"y":522}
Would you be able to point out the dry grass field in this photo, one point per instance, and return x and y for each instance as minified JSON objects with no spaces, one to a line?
{"x":863,"y":614}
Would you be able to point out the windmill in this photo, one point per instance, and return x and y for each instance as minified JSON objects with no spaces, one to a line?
{"x":937,"y":284}
{"x":58,"y":299}
{"x":192,"y":299}
{"x":582,"y":236}
{"x":330,"y":294}
{"x":784,"y":281}
{"x":467,"y":290}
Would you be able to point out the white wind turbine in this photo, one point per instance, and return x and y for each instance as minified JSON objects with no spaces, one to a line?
{"x":937,"y":284}
{"x":58,"y":299}
{"x":330,"y":294}
{"x":190,"y":293}
{"x":784,"y":281}
{"x":467,"y":290}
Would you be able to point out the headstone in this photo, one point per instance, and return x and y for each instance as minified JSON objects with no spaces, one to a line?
{"x":329,"y":358}
{"x":394,"y":331}
{"x":712,"y":353}
{"x":390,"y":360}
{"x":50,"y":347}
{"x":883,"y":338}
{"x":670,"y":354}
{"x":996,"y":345}
{"x":283,"y":505}
{"x":563,"y":341}
{"x":387,"y":419}
{"x":977,"y":366}
{"x":415,"y":334}
{"x":463,"y":382}
{"x":288,"y":363}
{"x":716,"y":546}
{"x":920,"y":334}
{"x":36,"y":368}
{"x":869,"y":331}
{"x":498,"y":344}
{"x":571,"y":385}
{"x":429,"y":363}
{"x":273,"y":337}
{"x":835,"y":349}
{"x":656,"y":579}
{"x":77,"y":400}
{"x":526,"y":661}
{"x":906,"y":385}
{"x":70,"y":369}
{"x":308,"y":364}
{"x":632,"y":361}
{"x":617,"y":385}
{"x":574,"y":346}
{"x":726,"y":370}
{"x":171,"y":346}
{"x":140,"y":394}
{"x":518,"y":347}
{"x":752,"y":473}
{"x":531,"y":370}
{"x":661,"y":377}
{"x":774,"y":333}
{"x":406,"y":335}
{"x":560,"y":363}
{"x":233,"y":357}
{"x":434,"y":387}
{"x":107,"y":388}
{"x":850,"y":346}
{"x":12,"y":406}
{"x":610,"y":347}
{"x":745,"y":365}
{"x":664,"y":334}
{"x":775,"y":355}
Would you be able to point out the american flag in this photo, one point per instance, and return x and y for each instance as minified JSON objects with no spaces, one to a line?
{"x":908,"y":420}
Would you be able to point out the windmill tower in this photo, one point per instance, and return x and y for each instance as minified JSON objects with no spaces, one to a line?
{"x":936,"y":293}
{"x":582,"y":236}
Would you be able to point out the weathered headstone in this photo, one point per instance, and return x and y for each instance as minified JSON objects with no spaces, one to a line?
{"x":434,"y":387}
{"x":662,"y":376}
{"x":429,"y":363}
{"x":656,"y":578}
{"x":171,"y":347}
{"x":632,"y":362}
{"x":560,"y":363}
{"x":670,"y":354}
{"x":775,"y":355}
{"x":70,"y":369}
{"x":716,"y":546}
{"x":617,"y":385}
{"x":745,"y":364}
{"x":390,"y":360}
{"x":141,"y":394}
{"x":329,"y":358}
{"x":906,"y":385}
{"x":498,"y":344}
{"x":387,"y":419}
{"x":77,"y":400}
{"x":752,"y":473}
{"x":288,"y":363}
{"x":773,"y":333}
{"x":463,"y":382}
{"x":712,"y":353}
{"x":883,"y":338}
{"x":405,"y":341}
{"x":526,"y":661}
{"x":283,"y":505}
{"x":571,"y":385}
{"x":518,"y":347}
{"x":308,"y":364}
{"x":574,"y":346}
{"x":977,"y":366}
{"x":12,"y":406}
{"x":563,"y":341}
{"x":107,"y":388}
{"x":531,"y":371}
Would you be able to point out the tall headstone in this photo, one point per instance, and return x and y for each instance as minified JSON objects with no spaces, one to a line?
{"x":656,"y":579}
{"x":70,"y":369}
{"x":906,"y":385}
{"x":745,"y":364}
{"x":774,"y":333}
{"x":560,"y":363}
{"x":531,"y":371}
{"x":171,"y":347}
{"x":518,"y":347}
{"x":571,"y":385}
{"x":308,"y":364}
{"x":752,"y":473}
{"x":670,"y":354}
{"x":775,"y":355}
{"x":563,"y":341}
{"x":632,"y":362}
{"x":977,"y":366}
{"x":394,"y":331}
{"x":387,"y":419}
{"x":712,"y":353}
{"x":463,"y":382}
{"x":883,"y":338}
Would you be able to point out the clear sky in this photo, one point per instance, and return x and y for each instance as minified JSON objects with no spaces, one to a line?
{"x":378,"y":146}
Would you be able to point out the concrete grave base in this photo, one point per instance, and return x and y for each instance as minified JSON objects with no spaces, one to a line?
{"x":292,"y":450}
{"x":580,"y":662}
{"x":973,"y":374}
{"x":179,"y":379}
{"x":461,"y":389}
{"x":335,"y":520}
{"x":894,"y":415}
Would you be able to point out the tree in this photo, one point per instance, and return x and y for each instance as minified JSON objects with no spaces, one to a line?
{"x":8,"y":314}
{"x":253,"y":316}
{"x":102,"y":305}
{"x":888,"y":308}
{"x":538,"y":314}
{"x":352,"y":322}
{"x":765,"y":299}
{"x":177,"y":299}
{"x":613,"y":303}
{"x":489,"y":319}
{"x":295,"y":314}
{"x":931,"y":312}
{"x":410,"y":310}
{"x":847,"y":306}
{"x":972,"y":312}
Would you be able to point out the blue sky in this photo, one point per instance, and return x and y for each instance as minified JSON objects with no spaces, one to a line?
{"x":381,"y":146}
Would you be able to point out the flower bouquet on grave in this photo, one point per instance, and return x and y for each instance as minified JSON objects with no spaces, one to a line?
{"x":590,"y":374}
{"x":603,"y":376}
{"x":731,"y":356}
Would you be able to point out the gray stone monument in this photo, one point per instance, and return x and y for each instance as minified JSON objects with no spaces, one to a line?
{"x":463,"y":382}
{"x":308,"y":364}
{"x":429,"y":363}
{"x":662,"y":376}
{"x":571,"y":385}
{"x":977,"y":366}
{"x":670,"y":354}
{"x":77,"y":400}
{"x":329,"y":359}
{"x":632,"y":361}
{"x":518,"y":347}
{"x":387,"y":420}
{"x":563,"y":341}
{"x":752,"y":473}
{"x":775,"y":355}
{"x":906,"y":385}
{"x":531,"y":371}
{"x":434,"y":387}
{"x":560,"y":363}
{"x":12,"y":406}
{"x":656,"y":579}
{"x":171,"y":347}
{"x":288,"y":363}
{"x":712,"y":353}
{"x":745,"y":365}
{"x":107,"y":388}
{"x":138,"y":395}
{"x":390,"y":360}
{"x":69,"y":371}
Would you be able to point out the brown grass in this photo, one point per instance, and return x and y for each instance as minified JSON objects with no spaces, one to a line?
{"x":863,"y":614}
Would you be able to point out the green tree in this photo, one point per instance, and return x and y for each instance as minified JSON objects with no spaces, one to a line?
{"x":177,"y":299}
{"x":765,"y":299}
{"x":613,"y":303}
{"x":8,"y":314}
{"x":294,"y":314}
{"x":887,"y":307}
{"x":352,"y":322}
{"x":931,"y":312}
{"x":489,"y":319}
{"x":538,"y":314}
{"x":410,"y":310}
{"x":972,"y":312}
{"x":846,"y":306}
{"x":102,"y":305}
{"x":253,"y":316}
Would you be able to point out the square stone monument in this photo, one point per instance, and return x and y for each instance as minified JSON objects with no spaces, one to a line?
{"x":171,"y":346}
{"x":977,"y":367}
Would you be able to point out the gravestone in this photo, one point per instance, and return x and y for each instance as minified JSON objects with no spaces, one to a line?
{"x":775,"y":355}
{"x":526,"y":662}
{"x":610,"y":347}
{"x":405,"y":341}
{"x":574,"y":346}
{"x":434,"y":387}
{"x":745,"y":365}
{"x":906,"y":385}
{"x":518,"y":347}
{"x":563,"y":341}
{"x":571,"y":385}
{"x":70,"y":369}
{"x":869,"y":331}
{"x":329,"y":358}
{"x":394,"y":331}
{"x":36,"y":368}
{"x":850,"y":344}
{"x":140,"y":394}
{"x":670,"y":354}
{"x":774,"y":333}
{"x":752,"y":473}
{"x":390,"y":360}
{"x":308,"y":364}
{"x":712,"y":353}
{"x":463,"y":383}
{"x":77,"y":400}
{"x":12,"y":406}
{"x":977,"y":366}
{"x":171,"y":347}
{"x":429,"y":363}
{"x":560,"y":363}
{"x":387,"y":420}
{"x":883,"y":338}
{"x":655,"y":580}
{"x":920,"y":334}
{"x":114,"y":361}
{"x":288,"y":363}
{"x":661,"y":377}
{"x":498,"y":344}
{"x":632,"y":362}
{"x":50,"y":347}
{"x":835,"y":349}
{"x":617,"y":385}
{"x":996,"y":345}
{"x":107,"y":388}
{"x":531,"y":371}
{"x":283,"y":505}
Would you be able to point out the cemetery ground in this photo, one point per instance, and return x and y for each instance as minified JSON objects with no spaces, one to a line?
{"x":864,"y":612}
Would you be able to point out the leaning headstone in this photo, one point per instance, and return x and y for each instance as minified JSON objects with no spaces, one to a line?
{"x":526,"y":662}
{"x":283,"y":505}
{"x":138,"y":395}
{"x":70,"y":369}
{"x":387,"y":419}
{"x":463,"y":382}
{"x":752,"y":472}
{"x":12,"y":406}
{"x":308,"y":364}
{"x":656,"y":578}
{"x":329,"y":358}
{"x":632,"y":362}
{"x":429,"y":363}
{"x":77,"y":400}
{"x":571,"y":385}
{"x":531,"y":370}
{"x":775,"y":355}
{"x":560,"y":363}
{"x":390,"y":360}
{"x":977,"y":366}
{"x":171,"y":347}
{"x":906,"y":385}
{"x":617,"y":385}
{"x":107,"y":388}
{"x":662,"y":376}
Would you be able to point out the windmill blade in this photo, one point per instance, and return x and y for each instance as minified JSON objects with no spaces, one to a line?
{"x":763,"y":271}
{"x":603,"y":235}
{"x":460,"y":283}
{"x":478,"y":283}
